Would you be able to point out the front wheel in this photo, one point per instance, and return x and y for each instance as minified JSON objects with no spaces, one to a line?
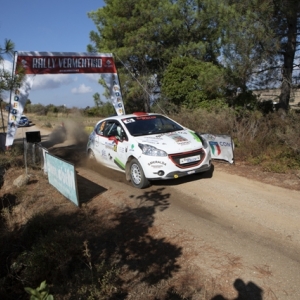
{"x":137,"y":175}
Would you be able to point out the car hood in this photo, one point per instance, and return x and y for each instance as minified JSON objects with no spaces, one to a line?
{"x":173,"y":142}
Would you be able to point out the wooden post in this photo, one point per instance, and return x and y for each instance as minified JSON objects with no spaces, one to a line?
{"x":2,"y":115}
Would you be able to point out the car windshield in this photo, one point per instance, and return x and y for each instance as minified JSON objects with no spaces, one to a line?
{"x":153,"y":124}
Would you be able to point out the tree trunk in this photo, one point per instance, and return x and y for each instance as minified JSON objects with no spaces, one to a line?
{"x":146,"y":104}
{"x":289,"y":55}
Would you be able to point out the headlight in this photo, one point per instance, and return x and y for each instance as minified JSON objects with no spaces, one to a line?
{"x":152,"y":151}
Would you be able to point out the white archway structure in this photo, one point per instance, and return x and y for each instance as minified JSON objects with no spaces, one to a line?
{"x":39,"y":63}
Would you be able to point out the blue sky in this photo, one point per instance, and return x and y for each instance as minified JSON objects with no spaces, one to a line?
{"x":53,"y":26}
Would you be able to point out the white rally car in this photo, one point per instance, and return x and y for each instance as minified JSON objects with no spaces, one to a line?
{"x":147,"y":146}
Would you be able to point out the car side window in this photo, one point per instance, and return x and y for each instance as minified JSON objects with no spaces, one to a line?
{"x":110,"y":129}
{"x":100,"y":128}
{"x":121,"y":133}
{"x":114,"y":128}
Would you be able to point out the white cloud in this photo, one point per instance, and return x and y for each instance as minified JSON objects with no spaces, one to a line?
{"x":51,"y":81}
{"x":93,"y":77}
{"x":7,"y":65}
{"x":82,"y":89}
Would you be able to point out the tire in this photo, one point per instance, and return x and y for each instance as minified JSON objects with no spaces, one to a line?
{"x":137,"y":175}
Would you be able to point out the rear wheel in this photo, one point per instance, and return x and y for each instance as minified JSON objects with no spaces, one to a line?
{"x":137,"y":175}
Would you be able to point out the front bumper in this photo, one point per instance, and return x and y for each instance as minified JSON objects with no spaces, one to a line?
{"x":161,"y":168}
{"x":177,"y":174}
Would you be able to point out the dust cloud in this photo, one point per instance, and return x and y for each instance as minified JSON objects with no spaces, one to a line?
{"x":68,"y":133}
{"x":68,"y":141}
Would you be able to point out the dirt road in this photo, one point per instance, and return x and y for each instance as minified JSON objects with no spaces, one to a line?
{"x":243,"y":236}
{"x":238,"y":237}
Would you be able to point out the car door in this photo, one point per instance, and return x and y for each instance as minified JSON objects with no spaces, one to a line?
{"x":122,"y":148}
{"x":114,"y":143}
{"x":98,"y":144}
{"x":107,"y":143}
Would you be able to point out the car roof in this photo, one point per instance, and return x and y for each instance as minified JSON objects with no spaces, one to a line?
{"x":133,"y":115}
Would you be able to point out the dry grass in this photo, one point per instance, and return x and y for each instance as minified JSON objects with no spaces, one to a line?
{"x":267,"y":140}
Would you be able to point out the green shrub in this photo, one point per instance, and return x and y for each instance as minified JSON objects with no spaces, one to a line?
{"x":40,"y":293}
{"x":269,"y":140}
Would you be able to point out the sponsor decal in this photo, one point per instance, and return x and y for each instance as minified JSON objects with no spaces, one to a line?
{"x":215,"y":148}
{"x":176,"y":137}
{"x":114,"y":143}
{"x":122,"y":149}
{"x":210,"y":137}
{"x":225,"y":144}
{"x":150,"y":140}
{"x":127,"y":121}
{"x":119,"y":163}
{"x":179,"y":139}
{"x":180,"y":132}
{"x":104,"y":154}
{"x":195,"y":136}
{"x":110,"y":145}
{"x":156,"y":166}
{"x":191,"y":172}
{"x":108,"y":63}
{"x":146,"y":118}
{"x":184,"y":143}
{"x":157,"y":162}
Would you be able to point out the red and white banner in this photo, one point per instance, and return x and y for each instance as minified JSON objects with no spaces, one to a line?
{"x":221,"y":146}
{"x":60,"y":63}
{"x":40,"y":63}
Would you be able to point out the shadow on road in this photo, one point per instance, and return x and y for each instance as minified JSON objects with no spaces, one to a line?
{"x":87,"y":189}
{"x":249,"y":291}
{"x":89,"y":252}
